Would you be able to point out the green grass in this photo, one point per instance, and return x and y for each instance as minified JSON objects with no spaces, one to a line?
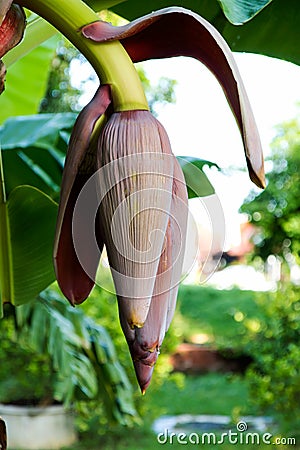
{"x":212,"y":393}
{"x":217,"y":313}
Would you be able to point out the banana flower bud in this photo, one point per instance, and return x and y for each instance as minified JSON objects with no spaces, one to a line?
{"x":141,"y":219}
{"x":123,"y":188}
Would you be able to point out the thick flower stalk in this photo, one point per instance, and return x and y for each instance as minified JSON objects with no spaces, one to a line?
{"x":122,"y":187}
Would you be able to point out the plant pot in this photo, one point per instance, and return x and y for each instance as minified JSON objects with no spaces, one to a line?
{"x":38,"y":428}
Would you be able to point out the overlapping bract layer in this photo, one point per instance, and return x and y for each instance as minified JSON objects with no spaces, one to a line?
{"x":12,"y":26}
{"x":80,"y":165}
{"x":145,"y":244}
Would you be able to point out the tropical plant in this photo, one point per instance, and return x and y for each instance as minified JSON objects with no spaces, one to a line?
{"x":117,"y":130}
{"x":33,"y":149}
{"x":65,"y":356}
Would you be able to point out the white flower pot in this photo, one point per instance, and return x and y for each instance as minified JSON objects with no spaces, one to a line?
{"x":38,"y":428}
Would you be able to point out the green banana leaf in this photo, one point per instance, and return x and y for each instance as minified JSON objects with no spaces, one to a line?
{"x":27,"y":223}
{"x":26,"y":81}
{"x":197,"y":182}
{"x":240,"y":11}
{"x":236,"y":11}
{"x":33,"y":150}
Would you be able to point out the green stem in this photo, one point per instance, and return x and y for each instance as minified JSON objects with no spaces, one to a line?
{"x":109,"y":59}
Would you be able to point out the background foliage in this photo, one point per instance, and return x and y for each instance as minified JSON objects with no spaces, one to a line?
{"x":275,"y":211}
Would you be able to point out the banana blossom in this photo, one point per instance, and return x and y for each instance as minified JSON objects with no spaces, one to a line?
{"x":143,"y":174}
{"x":122,"y":186}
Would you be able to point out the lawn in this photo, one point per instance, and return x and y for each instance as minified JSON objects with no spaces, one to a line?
{"x":221,"y":314}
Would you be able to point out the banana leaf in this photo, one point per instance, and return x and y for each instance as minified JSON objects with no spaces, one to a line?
{"x":27,"y":224}
{"x":26,"y":80}
{"x":197,"y":182}
{"x":33,"y":150}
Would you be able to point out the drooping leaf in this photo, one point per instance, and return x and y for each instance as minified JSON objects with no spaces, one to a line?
{"x":178,"y":32}
{"x":272,"y":31}
{"x":26,"y":82}
{"x":33,"y":150}
{"x":197,"y":182}
{"x":27,"y":232}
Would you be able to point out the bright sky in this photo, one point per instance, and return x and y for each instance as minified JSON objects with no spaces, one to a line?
{"x":201,"y":123}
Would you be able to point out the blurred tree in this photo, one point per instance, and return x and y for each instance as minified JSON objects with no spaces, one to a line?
{"x":276,"y":210}
{"x":65,"y":87}
{"x":60,"y":95}
{"x":159,"y":94}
